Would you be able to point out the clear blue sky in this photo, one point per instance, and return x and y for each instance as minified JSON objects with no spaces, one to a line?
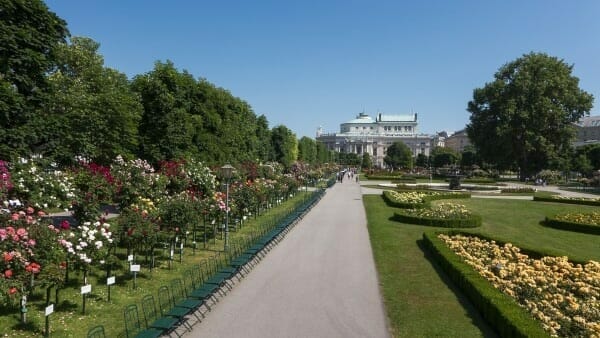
{"x":317,"y":62}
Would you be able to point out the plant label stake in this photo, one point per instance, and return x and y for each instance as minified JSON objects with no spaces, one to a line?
{"x":84,"y":291}
{"x":171,"y":257}
{"x":24,"y":309}
{"x":47,"y":313}
{"x":110,"y":281}
{"x":135,"y":268}
{"x":181,"y":252}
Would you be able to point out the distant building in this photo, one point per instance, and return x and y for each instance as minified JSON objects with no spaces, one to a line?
{"x":458,"y":141}
{"x":373,"y":136}
{"x":588,"y":131}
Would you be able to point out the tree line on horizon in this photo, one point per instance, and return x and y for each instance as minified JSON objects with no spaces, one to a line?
{"x":59,"y":100}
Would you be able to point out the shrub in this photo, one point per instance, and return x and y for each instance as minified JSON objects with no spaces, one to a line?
{"x":517,"y":190}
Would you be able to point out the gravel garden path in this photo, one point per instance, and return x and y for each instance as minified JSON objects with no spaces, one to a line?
{"x":320,"y":281}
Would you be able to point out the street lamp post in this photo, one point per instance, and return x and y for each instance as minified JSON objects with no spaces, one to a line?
{"x":226,"y":172}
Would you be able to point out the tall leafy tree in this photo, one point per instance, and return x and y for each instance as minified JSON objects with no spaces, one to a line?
{"x":398,"y":155}
{"x":94,"y":113}
{"x":422,"y":161}
{"x":167,"y":128}
{"x":307,"y":150}
{"x":442,"y":156}
{"x":524,"y":117}
{"x":285,"y":145}
{"x":29,"y":34}
{"x":468,"y":157}
{"x":367,"y":163}
{"x":323,"y":154}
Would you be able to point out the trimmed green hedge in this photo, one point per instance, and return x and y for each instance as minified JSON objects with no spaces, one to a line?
{"x":405,"y":180}
{"x":499,"y":310}
{"x":396,"y":204}
{"x":383,"y":177}
{"x":571,"y":226}
{"x":471,"y":222}
{"x":393,"y":203}
{"x":526,"y":190}
{"x":564,"y":200}
{"x":479,"y":180}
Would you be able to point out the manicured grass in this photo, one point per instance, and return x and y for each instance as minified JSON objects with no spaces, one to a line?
{"x":68,"y":320}
{"x":420,"y":300}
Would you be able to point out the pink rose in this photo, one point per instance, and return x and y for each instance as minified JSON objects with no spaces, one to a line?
{"x":8,"y":273}
{"x":30,"y":210}
{"x":21,"y":232}
{"x":14,"y":217}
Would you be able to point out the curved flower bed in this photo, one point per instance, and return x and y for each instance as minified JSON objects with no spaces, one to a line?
{"x":446,"y":214}
{"x":570,"y":200}
{"x":418,"y":199}
{"x":407,"y":199}
{"x":564,"y":297}
{"x":579,"y":222}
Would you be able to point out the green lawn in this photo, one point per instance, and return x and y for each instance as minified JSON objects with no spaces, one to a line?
{"x":68,"y":320}
{"x":420,"y":301}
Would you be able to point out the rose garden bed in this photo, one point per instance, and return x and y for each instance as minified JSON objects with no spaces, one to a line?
{"x":448,"y":215}
{"x":511,"y":288}
{"x":588,"y":223}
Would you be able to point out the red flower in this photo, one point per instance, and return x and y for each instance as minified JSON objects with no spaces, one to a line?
{"x":12,"y":291}
{"x":65,"y":225}
{"x":8,"y":256}
{"x":33,"y":267}
{"x":8,"y":273}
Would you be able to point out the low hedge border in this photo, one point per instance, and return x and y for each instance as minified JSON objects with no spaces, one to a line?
{"x":405,"y":180}
{"x":564,"y":200}
{"x":479,"y":180}
{"x":381,"y":177}
{"x":427,"y":199}
{"x":517,"y":190}
{"x":499,"y":310}
{"x":396,"y":204}
{"x":571,"y":226}
{"x":471,"y":222}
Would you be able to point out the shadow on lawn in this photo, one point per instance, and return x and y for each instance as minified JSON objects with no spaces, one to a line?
{"x":472,"y":312}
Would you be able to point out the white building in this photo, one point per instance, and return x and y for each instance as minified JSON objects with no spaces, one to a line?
{"x":373,"y":136}
{"x":588,"y":131}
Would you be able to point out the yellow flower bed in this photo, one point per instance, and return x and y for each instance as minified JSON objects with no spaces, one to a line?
{"x":410,"y":196}
{"x":563,"y":296}
{"x":444,"y":210}
{"x":592,"y":218}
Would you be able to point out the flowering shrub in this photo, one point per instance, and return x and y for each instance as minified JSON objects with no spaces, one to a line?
{"x":562,"y":295}
{"x":88,"y":245}
{"x":591,"y":218}
{"x":42,"y":188}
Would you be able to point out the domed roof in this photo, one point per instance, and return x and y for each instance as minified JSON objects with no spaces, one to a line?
{"x":361,"y":118}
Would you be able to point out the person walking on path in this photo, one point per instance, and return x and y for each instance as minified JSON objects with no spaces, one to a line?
{"x":319,"y":281}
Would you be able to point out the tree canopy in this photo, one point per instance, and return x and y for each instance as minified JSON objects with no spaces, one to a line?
{"x":524,"y":117}
{"x":29,"y":34}
{"x":398,"y":155}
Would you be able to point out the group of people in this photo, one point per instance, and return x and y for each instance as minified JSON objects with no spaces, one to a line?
{"x":351,"y":173}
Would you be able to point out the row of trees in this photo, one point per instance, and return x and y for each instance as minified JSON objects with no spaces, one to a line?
{"x":59,"y":100}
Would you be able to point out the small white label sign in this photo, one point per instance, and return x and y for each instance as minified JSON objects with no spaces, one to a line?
{"x":110,"y":280}
{"x":86,"y":289}
{"x":135,"y":268}
{"x":171,"y":253}
{"x":181,"y":246}
{"x":49,"y":309}
{"x":130,"y":258}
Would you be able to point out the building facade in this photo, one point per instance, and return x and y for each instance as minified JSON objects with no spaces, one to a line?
{"x":458,"y":141}
{"x":588,"y":131}
{"x":373,"y":136}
